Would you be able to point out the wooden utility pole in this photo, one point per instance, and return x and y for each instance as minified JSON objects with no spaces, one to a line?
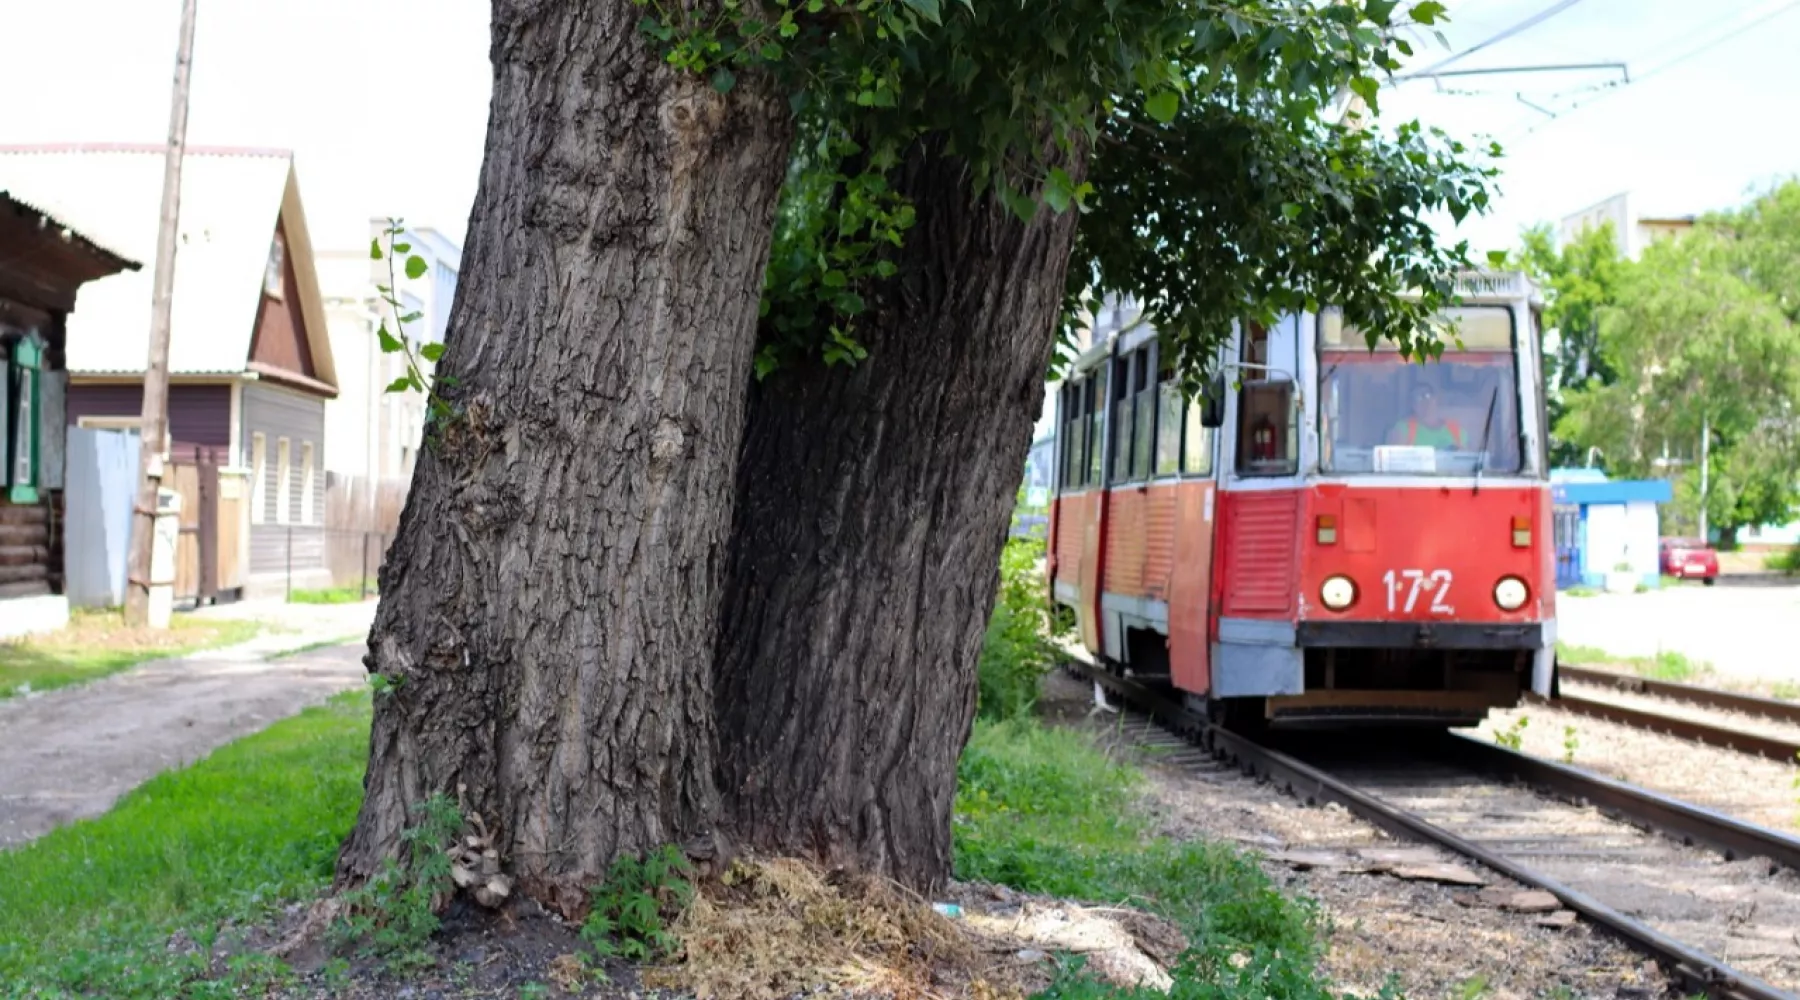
{"x":154,"y":426}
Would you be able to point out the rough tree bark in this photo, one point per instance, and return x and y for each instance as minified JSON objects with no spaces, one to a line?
{"x":873,"y":503}
{"x":548,"y":605}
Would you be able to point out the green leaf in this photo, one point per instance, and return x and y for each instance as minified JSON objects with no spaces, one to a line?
{"x":927,"y":9}
{"x":375,"y":249}
{"x":723,"y":79}
{"x":400,"y":384}
{"x":1365,"y":87}
{"x":412,"y":317}
{"x":432,"y":352}
{"x":1428,"y":12}
{"x":1497,"y":258}
{"x":403,"y":248}
{"x":834,"y":278}
{"x":1380,"y":11}
{"x":416,"y":266}
{"x":1290,"y":210}
{"x":389,"y":343}
{"x":1164,"y":106}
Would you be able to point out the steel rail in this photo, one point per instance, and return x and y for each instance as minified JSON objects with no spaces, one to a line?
{"x":1695,"y":968}
{"x":1785,"y":711}
{"x":1770,"y":747}
{"x":1690,"y":823}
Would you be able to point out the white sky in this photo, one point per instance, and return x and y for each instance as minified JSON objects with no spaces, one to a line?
{"x":385,"y":101}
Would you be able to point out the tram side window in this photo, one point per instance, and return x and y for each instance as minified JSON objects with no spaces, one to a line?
{"x":1268,"y":435}
{"x":1094,"y":406}
{"x":1196,"y":444}
{"x":1123,"y":431}
{"x":1074,"y":428}
{"x":1168,"y":424}
{"x":1143,"y":419}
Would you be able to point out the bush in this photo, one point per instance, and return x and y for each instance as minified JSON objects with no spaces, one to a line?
{"x":1016,"y":652}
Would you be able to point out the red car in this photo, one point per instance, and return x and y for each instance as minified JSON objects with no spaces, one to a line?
{"x":1690,"y":559}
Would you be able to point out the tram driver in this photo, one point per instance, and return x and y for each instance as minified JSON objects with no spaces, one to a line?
{"x":1426,"y":427}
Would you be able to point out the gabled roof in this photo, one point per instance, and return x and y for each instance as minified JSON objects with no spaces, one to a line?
{"x":231,"y":200}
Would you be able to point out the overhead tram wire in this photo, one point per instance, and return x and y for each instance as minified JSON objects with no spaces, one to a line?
{"x":1530,"y":22}
{"x":1668,"y":64}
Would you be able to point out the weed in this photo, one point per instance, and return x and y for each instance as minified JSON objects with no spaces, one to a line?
{"x":336,"y":974}
{"x":1569,"y":745}
{"x":1785,"y":691}
{"x":1472,"y":988}
{"x":392,"y":915}
{"x":352,"y":594}
{"x":1045,"y":811}
{"x":1581,"y":592}
{"x":1512,"y":737}
{"x":1581,"y":655}
{"x":1785,"y":562}
{"x":1669,"y":665}
{"x":633,"y":908}
{"x":534,"y":990}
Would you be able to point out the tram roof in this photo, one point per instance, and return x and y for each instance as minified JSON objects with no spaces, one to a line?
{"x":1481,"y":284}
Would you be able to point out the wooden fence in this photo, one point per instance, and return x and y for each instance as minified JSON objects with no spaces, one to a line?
{"x":210,"y":551}
{"x":360,"y":518}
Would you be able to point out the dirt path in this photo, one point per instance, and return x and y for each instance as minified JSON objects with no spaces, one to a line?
{"x":69,"y":754}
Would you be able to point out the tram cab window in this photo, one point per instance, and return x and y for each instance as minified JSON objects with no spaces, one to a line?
{"x":1267,"y":427}
{"x":1456,"y":415}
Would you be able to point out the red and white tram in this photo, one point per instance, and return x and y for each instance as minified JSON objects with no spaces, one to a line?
{"x":1343,"y":536}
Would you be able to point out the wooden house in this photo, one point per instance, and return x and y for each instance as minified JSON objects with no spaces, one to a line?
{"x":42,"y":265}
{"x":250,"y":361}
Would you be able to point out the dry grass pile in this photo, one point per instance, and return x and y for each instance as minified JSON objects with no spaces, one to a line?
{"x":769,"y":929}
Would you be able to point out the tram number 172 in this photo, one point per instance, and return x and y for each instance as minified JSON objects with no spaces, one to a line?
{"x":1405,"y":587}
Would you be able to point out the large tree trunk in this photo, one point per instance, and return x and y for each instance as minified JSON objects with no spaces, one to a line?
{"x":873,"y":503}
{"x":549,"y":603}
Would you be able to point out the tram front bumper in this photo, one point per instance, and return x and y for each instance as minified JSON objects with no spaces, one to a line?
{"x":1421,"y":635}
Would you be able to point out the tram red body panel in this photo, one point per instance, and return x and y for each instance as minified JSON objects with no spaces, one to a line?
{"x":1190,"y":587}
{"x":1140,"y":541}
{"x":1259,"y":563}
{"x":1426,"y":552}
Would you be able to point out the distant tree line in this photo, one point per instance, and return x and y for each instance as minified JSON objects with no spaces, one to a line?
{"x":1685,"y":363}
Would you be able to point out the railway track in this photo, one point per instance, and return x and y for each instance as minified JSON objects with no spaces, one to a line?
{"x":1770,"y":747}
{"x":1495,"y":823}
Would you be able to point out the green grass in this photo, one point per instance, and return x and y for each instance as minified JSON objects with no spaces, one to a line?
{"x":89,"y":909}
{"x":1043,"y":810}
{"x":97,"y":643}
{"x":351,"y":594}
{"x":1667,"y":665}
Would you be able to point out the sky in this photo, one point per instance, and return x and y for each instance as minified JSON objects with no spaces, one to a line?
{"x":385,"y":101}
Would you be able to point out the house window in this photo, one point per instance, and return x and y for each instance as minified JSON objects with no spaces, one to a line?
{"x":21,"y":419}
{"x":272,"y":274}
{"x":284,"y":482}
{"x":259,"y":483}
{"x":306,"y":482}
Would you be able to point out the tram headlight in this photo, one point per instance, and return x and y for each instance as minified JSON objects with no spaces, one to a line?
{"x":1510,"y":593}
{"x":1337,"y":592}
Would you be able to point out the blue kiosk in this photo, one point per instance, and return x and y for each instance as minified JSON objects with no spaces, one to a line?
{"x":1602,"y":524}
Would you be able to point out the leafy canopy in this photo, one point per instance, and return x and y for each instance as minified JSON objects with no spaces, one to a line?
{"x":1214,"y":186}
{"x":1699,"y":349}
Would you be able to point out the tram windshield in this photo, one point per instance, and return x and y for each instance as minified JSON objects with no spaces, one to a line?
{"x":1454,"y":416}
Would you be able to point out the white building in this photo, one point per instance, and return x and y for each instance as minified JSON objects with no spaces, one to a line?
{"x":1632,"y":230}
{"x":371,"y":433}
